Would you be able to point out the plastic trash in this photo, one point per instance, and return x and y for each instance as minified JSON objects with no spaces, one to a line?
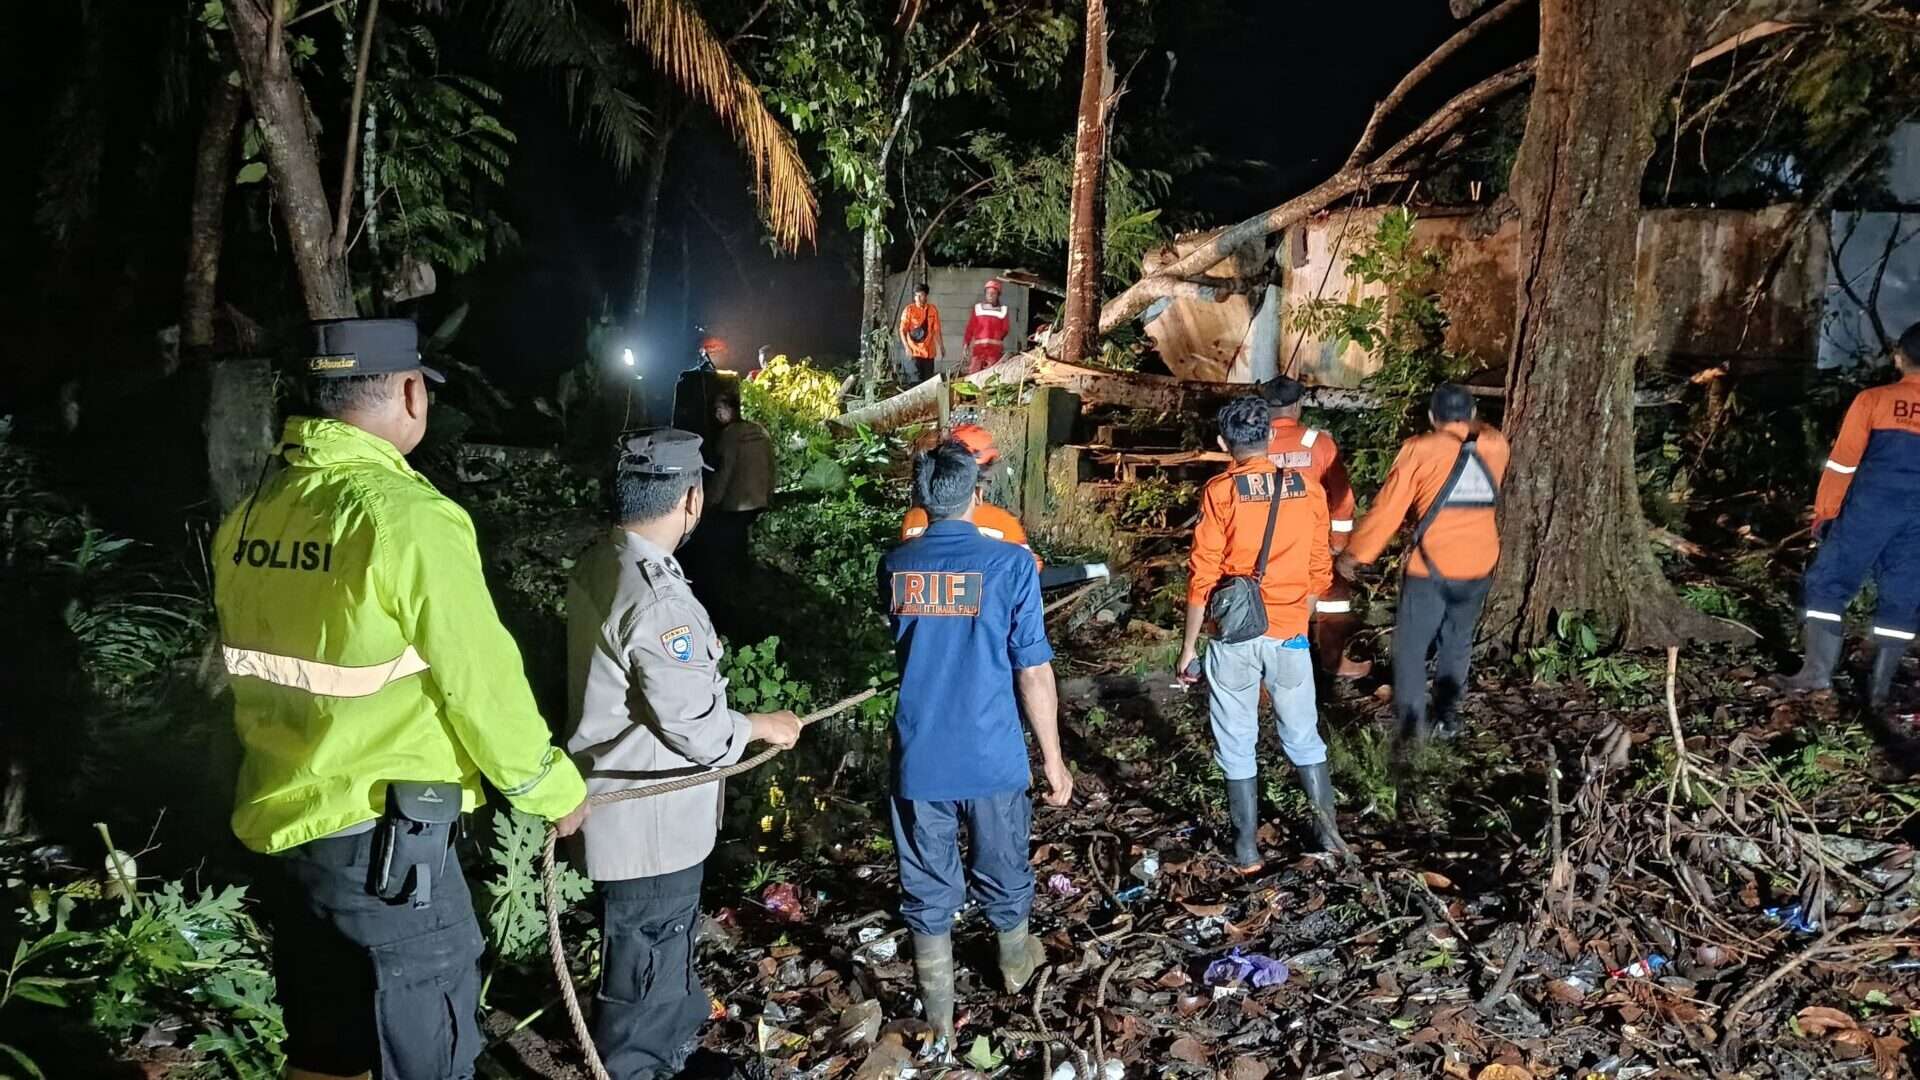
{"x":1131,"y":893}
{"x":1640,"y":969}
{"x":1147,"y":868}
{"x":1062,"y":885}
{"x":877,"y":946}
{"x":782,"y":901}
{"x":1064,"y":1071}
{"x":1584,"y":976}
{"x":1794,"y":917}
{"x":1244,"y":967}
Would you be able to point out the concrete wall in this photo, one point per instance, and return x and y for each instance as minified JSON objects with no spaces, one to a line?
{"x":953,"y":289}
{"x":1692,"y":275}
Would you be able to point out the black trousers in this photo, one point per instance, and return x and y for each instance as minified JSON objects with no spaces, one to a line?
{"x":651,"y":1003}
{"x":718,"y":558}
{"x":1438,"y":617}
{"x":923,"y":366}
{"x":366,"y":985}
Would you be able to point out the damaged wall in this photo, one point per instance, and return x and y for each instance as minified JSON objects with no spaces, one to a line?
{"x":1692,"y":275}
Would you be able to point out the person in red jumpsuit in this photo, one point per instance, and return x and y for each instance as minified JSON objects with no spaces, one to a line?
{"x":986,"y":336}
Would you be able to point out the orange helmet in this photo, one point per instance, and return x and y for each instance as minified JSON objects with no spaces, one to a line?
{"x":978,"y":441}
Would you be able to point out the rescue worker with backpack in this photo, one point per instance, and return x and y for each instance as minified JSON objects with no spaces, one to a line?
{"x":1451,"y":478}
{"x":1259,"y":560}
{"x":1866,"y":517}
{"x":1313,"y":452}
{"x":373,"y":687}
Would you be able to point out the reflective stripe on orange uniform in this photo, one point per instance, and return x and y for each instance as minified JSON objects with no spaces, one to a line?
{"x":1312,"y":451}
{"x":1464,"y":542}
{"x":1894,"y":409}
{"x":993,"y":523}
{"x":1233,"y":519}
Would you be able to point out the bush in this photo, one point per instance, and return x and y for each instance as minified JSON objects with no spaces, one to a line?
{"x":793,"y":400}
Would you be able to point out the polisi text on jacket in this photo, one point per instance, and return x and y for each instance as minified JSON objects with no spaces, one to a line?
{"x":285,"y":554}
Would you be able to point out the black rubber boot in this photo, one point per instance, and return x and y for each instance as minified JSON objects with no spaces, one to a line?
{"x":1243,"y":803}
{"x":1886,"y":662}
{"x":1021,"y":954}
{"x":933,"y":973}
{"x":1326,"y":829}
{"x":1822,"y":640}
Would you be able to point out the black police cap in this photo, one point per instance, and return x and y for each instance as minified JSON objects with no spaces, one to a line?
{"x":342,"y":347}
{"x":661,"y":451}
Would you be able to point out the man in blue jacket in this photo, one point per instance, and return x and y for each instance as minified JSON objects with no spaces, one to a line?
{"x":971,"y":640}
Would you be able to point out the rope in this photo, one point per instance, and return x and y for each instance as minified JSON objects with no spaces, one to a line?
{"x":550,"y":881}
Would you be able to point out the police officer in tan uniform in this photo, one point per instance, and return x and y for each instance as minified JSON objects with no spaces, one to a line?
{"x":648,"y":703}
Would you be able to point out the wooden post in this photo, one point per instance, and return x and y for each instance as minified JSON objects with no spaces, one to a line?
{"x":1050,"y":417}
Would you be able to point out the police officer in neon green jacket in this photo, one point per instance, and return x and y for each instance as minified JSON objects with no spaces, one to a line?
{"x":374,"y":687}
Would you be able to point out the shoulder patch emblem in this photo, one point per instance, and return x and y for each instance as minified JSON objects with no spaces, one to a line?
{"x":679,"y":642}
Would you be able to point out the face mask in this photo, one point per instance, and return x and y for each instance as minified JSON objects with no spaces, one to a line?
{"x":693,"y":522}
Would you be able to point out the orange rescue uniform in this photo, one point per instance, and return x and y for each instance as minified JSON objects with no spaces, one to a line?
{"x":914,"y":317}
{"x":1464,"y":542}
{"x":1233,"y":519}
{"x":1893,"y":409}
{"x":1313,"y":452}
{"x":993,"y":523}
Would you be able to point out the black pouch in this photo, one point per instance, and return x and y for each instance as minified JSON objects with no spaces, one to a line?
{"x":1235,"y":607}
{"x":918,"y":334}
{"x":411,"y":842}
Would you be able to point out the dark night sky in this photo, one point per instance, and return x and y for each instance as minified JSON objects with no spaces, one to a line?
{"x":1284,"y":82}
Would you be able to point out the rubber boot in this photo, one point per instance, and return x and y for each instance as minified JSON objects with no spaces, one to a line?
{"x":1886,"y":662}
{"x":1243,"y":804}
{"x":1021,"y":954}
{"x":1326,"y":828}
{"x":1822,"y":641}
{"x":933,"y":974}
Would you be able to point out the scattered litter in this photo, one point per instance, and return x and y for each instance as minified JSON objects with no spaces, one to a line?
{"x":1062,"y":885}
{"x":859,"y":1024}
{"x":1130,"y":894}
{"x":877,"y":946}
{"x":782,"y":901}
{"x":1147,"y":867}
{"x":1244,"y":967}
{"x":981,"y":1055}
{"x":1794,"y":917}
{"x":1640,"y":969}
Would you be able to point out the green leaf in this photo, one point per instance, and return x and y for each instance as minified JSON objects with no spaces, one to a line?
{"x":982,"y":1055}
{"x":1400,"y":1023}
{"x":251,"y":173}
{"x":26,"y":1063}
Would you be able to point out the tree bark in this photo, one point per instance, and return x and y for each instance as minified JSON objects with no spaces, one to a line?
{"x":650,"y":189}
{"x":293,"y":160}
{"x":1573,"y":538}
{"x":206,"y":228}
{"x":1089,"y":162}
{"x":873,"y":270}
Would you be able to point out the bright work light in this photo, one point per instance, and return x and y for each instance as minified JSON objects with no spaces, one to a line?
{"x":626,"y":357}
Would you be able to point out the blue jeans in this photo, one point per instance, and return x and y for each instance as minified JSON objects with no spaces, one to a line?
{"x":933,"y":881}
{"x":1235,"y":674}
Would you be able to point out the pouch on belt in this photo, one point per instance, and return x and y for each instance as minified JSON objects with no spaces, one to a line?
{"x":411,"y":842}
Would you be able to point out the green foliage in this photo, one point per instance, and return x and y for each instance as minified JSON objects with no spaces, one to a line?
{"x":841,"y":75}
{"x":593,"y":64}
{"x":516,"y":912}
{"x":441,"y":151}
{"x":1576,"y":651}
{"x":1829,"y":759}
{"x":1023,"y":214}
{"x":1718,"y":600}
{"x":1147,"y":503}
{"x":834,"y":544}
{"x":757,"y":681}
{"x":793,"y":400}
{"x":1403,"y":327}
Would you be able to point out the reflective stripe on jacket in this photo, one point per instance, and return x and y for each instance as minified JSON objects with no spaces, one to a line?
{"x":363,"y":647}
{"x":1296,"y":446}
{"x":1233,"y":520}
{"x":1880,"y":441}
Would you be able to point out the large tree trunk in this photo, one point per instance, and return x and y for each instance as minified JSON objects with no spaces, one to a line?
{"x":656,"y":179}
{"x":206,"y":229}
{"x":293,"y":160}
{"x":873,"y":270}
{"x":1089,"y":163}
{"x":1572,"y":534}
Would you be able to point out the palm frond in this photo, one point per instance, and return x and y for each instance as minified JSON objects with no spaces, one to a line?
{"x":587,"y":57}
{"x":686,"y":48}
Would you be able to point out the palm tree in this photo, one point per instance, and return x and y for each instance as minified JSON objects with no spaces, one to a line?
{"x":556,"y":34}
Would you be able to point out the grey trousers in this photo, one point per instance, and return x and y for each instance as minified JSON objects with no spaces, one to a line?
{"x":1438,"y":617}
